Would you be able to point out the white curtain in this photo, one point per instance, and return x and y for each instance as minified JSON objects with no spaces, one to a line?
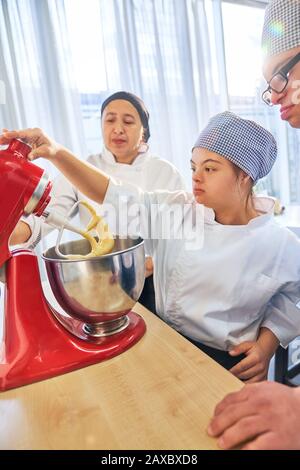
{"x":60,"y":58}
{"x":166,"y":52}
{"x":162,"y":50}
{"x":36,"y":71}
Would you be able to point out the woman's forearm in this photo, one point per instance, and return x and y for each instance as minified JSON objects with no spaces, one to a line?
{"x":92,"y":182}
{"x":21,"y":234}
{"x":268,"y":341}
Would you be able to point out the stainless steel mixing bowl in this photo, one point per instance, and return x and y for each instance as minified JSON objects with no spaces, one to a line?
{"x":98,"y":291}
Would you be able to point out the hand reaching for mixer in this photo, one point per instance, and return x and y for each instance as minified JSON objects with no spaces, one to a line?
{"x":89,"y":180}
{"x":42,"y":145}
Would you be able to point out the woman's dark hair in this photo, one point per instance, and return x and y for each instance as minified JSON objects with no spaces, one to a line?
{"x":237,"y":172}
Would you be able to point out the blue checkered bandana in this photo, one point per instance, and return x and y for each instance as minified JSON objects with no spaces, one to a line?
{"x":245,"y":143}
{"x":281,"y":30}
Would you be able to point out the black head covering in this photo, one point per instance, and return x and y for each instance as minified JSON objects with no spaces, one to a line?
{"x":137,"y":103}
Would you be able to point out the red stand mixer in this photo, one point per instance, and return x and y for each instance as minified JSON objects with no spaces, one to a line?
{"x":95,"y":321}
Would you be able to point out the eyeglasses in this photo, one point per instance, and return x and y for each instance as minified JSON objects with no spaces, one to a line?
{"x":279,"y":81}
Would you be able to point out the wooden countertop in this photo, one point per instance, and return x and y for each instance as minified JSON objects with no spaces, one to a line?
{"x":160,"y":394}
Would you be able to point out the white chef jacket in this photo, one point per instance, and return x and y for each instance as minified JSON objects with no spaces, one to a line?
{"x":147,"y":171}
{"x":242,"y":278}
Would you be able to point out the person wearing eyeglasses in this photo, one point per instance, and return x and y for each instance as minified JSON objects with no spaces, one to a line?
{"x":267,"y":415}
{"x":283,"y":86}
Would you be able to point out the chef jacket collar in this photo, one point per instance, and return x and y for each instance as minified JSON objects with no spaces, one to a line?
{"x":109,"y":158}
{"x":263,"y":204}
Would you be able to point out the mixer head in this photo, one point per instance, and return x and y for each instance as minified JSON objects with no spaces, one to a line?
{"x":24,"y":190}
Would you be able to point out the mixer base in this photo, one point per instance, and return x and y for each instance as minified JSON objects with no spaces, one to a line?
{"x":36,"y":346}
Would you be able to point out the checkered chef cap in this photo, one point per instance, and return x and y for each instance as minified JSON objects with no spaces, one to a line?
{"x":241,"y":141}
{"x":281,"y":30}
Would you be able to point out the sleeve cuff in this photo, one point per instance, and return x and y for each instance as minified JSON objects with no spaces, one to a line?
{"x":284,"y":336}
{"x":35,"y":226}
